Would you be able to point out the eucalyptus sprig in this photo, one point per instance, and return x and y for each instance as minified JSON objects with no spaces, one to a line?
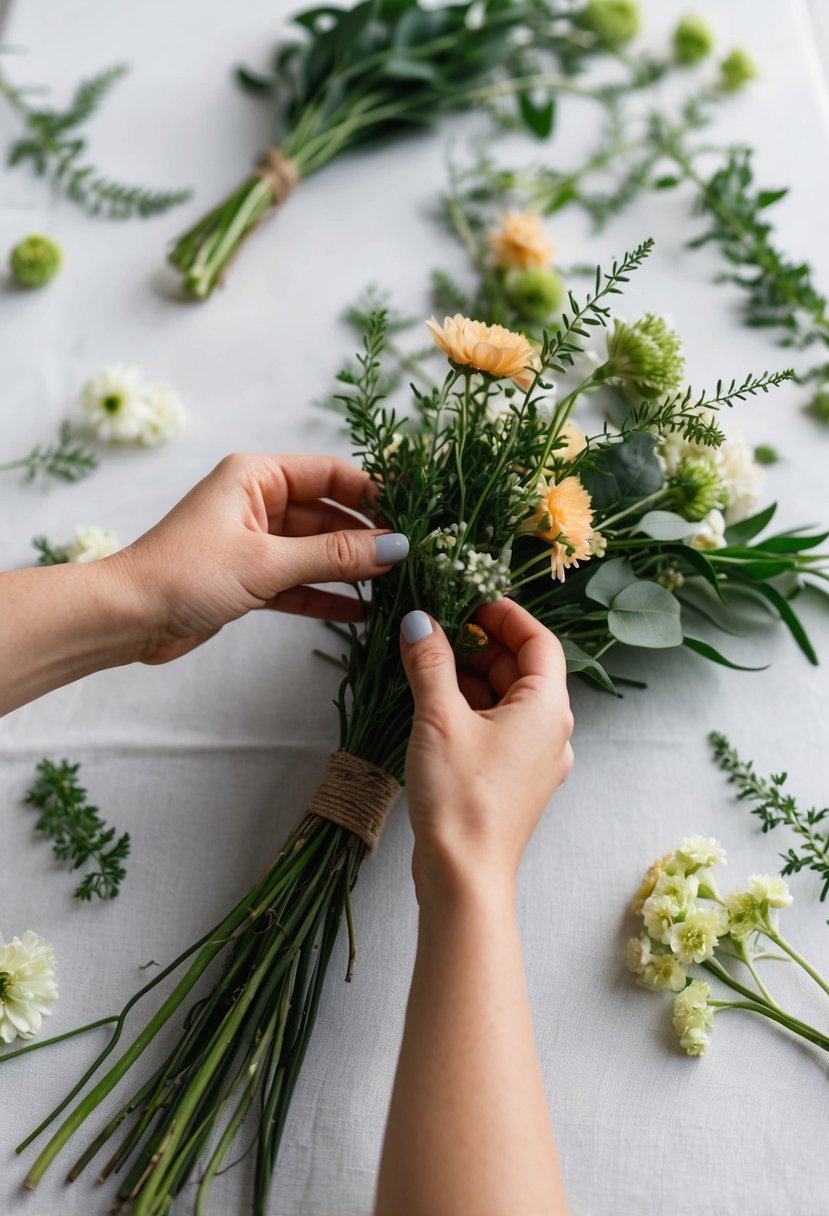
{"x":55,"y":148}
{"x":78,"y":832}
{"x":65,"y":460}
{"x":774,"y":806}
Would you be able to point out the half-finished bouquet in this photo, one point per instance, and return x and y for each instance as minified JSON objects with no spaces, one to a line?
{"x":499,"y":494}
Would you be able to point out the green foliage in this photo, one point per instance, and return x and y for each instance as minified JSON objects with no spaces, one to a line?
{"x":76,"y":829}
{"x":66,"y":460}
{"x":48,"y":554}
{"x":773,"y":807}
{"x":54,"y":148}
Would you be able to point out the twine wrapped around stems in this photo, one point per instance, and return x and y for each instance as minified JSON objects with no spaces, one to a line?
{"x":279,"y":171}
{"x":355,"y":794}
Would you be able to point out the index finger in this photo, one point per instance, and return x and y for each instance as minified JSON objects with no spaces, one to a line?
{"x":308,"y":476}
{"x":537,"y":651}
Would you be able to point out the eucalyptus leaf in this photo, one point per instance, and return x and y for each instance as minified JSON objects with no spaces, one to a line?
{"x":612,"y":576}
{"x":579,"y":662}
{"x":623,"y":474}
{"x":645,"y":614}
{"x":666,"y":525}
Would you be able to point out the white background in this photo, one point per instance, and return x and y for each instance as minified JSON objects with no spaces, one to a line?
{"x":209,"y":761}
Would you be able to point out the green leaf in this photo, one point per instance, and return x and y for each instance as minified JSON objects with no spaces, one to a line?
{"x":397,"y":67}
{"x":540,"y":119}
{"x":579,"y":662}
{"x":623,"y":474}
{"x":701,"y":565}
{"x":709,"y":652}
{"x":612,"y":576}
{"x":747,"y":529}
{"x":666,"y":525}
{"x":791,"y":542}
{"x":789,"y":618}
{"x":766,"y":197}
{"x":645,"y":614}
{"x":666,"y":183}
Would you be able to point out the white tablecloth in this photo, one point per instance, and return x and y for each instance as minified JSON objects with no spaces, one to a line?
{"x":208,"y":762}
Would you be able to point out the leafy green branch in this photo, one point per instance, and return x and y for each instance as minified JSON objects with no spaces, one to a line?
{"x":66,"y":460}
{"x":77,"y":830}
{"x":690,"y":414}
{"x":54,"y":148}
{"x":773,"y":806}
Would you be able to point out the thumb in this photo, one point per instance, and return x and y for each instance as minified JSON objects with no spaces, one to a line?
{"x":430,"y":664}
{"x":348,"y":556}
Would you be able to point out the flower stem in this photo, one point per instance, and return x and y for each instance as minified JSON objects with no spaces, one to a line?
{"x":798,"y":958}
{"x":58,"y":1038}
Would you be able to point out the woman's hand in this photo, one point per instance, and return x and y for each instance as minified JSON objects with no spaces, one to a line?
{"x":252,"y":534}
{"x":489,"y":745}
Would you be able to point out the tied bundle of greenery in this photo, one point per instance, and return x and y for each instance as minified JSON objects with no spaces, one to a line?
{"x":499,"y":495}
{"x":361,"y":75}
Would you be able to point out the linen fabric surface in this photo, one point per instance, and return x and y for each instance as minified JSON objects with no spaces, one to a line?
{"x":209,"y":761}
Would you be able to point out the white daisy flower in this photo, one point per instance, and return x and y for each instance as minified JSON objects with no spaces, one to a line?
{"x":114,"y":404}
{"x":165,"y":415}
{"x":91,"y":543}
{"x":696,"y":938}
{"x":701,"y":851}
{"x":28,"y":986}
{"x":768,"y":889}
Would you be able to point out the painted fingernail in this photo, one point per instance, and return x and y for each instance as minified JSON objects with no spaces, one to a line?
{"x":415,"y":626}
{"x":391,"y":548}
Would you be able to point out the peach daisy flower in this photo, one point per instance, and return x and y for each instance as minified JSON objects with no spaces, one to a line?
{"x":574,"y":441}
{"x":486,"y":348}
{"x":564,"y":517}
{"x":520,"y":242}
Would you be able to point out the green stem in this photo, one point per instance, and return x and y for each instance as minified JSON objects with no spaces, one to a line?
{"x":58,"y":1038}
{"x":643,"y":502}
{"x":798,"y":958}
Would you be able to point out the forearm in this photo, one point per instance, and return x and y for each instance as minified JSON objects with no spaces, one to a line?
{"x":60,"y":623}
{"x":469,"y":1132}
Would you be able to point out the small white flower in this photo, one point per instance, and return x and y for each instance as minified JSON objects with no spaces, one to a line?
{"x":696,"y":938}
{"x":701,"y":851}
{"x":744,"y":913}
{"x":693,"y":1017}
{"x":670,"y":899}
{"x":28,"y":986}
{"x":115,"y":405}
{"x":770,"y":890}
{"x":638,"y":953}
{"x":91,"y":543}
{"x":695,"y":1041}
{"x":663,"y":973}
{"x":598,"y":545}
{"x":165,"y":415}
{"x":711,"y":534}
{"x":741,"y":474}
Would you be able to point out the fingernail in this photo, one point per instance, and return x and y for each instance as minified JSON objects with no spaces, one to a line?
{"x":415,"y":626}
{"x":391,"y":548}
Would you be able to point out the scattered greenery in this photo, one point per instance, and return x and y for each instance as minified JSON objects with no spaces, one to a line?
{"x":773,"y":807}
{"x":55,"y":148}
{"x":48,"y":554}
{"x":66,"y":460}
{"x":78,"y":832}
{"x":35,"y":261}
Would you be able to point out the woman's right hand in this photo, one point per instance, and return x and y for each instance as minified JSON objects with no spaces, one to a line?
{"x":489,"y":745}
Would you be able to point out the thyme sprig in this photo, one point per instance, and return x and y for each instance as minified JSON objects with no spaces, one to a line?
{"x":78,"y":832}
{"x":54,"y":148}
{"x":773,"y":806}
{"x":66,"y":460}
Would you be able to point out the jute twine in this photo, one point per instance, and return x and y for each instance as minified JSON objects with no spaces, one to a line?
{"x":279,"y":171}
{"x":355,"y":794}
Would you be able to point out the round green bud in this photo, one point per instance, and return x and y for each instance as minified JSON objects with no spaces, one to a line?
{"x":614,"y":22}
{"x":534,"y":293}
{"x":819,"y":407}
{"x":34,"y":261}
{"x":698,"y":488}
{"x":693,"y":40}
{"x":736,"y":70}
{"x":646,"y":357}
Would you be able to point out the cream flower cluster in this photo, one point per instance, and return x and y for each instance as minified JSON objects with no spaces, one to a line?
{"x":121,"y":407}
{"x":717,"y":486}
{"x":91,"y":543}
{"x":685,"y":919}
{"x":28,"y":986}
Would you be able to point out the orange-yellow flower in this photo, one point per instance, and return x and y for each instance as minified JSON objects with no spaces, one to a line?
{"x":486,"y":348}
{"x":573,"y":441}
{"x":564,"y":517}
{"x":649,"y":882}
{"x":520,"y":242}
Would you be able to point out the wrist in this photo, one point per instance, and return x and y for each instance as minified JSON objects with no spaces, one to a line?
{"x":463,"y":887}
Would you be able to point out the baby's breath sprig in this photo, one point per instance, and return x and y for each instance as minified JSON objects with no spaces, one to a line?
{"x":66,"y":460}
{"x":53,"y":146}
{"x":773,"y":806}
{"x":77,"y":830}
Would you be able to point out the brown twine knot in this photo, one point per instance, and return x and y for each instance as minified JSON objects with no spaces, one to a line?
{"x":279,"y":171}
{"x":355,"y":794}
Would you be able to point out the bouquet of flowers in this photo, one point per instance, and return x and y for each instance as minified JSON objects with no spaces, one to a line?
{"x":499,"y":494}
{"x":688,"y":923}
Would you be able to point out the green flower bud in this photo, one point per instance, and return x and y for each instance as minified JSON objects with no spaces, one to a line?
{"x":693,"y":40}
{"x":765,"y":454}
{"x":698,"y":488}
{"x":35,"y":260}
{"x":736,"y":70}
{"x":819,"y":407}
{"x":614,"y":22}
{"x":535,"y":294}
{"x":646,"y":356}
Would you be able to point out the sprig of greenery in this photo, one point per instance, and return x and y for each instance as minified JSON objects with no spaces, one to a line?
{"x":49,"y":555}
{"x":689,"y":413}
{"x":78,"y":832}
{"x":66,"y":460}
{"x":54,"y":148}
{"x":773,"y":806}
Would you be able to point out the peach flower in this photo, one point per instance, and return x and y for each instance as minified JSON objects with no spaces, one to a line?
{"x":486,"y":348}
{"x":521,"y":242}
{"x":564,"y":517}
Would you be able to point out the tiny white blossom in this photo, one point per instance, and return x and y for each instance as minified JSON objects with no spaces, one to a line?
{"x":91,"y":543}
{"x":693,"y":1017}
{"x":695,"y":1041}
{"x":115,"y":405}
{"x":165,"y":415}
{"x":672,"y":896}
{"x":663,"y":972}
{"x":696,"y":938}
{"x":638,"y":953}
{"x":701,"y":851}
{"x":744,"y":913}
{"x":741,"y":474}
{"x":711,"y":534}
{"x":28,"y":986}
{"x":770,"y":890}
